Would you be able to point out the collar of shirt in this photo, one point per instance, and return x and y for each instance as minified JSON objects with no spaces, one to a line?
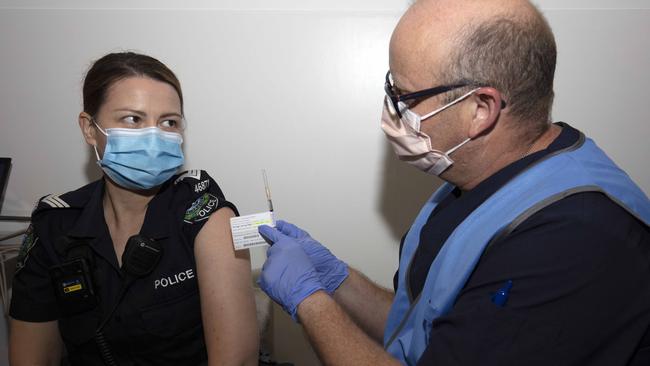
{"x":567,"y":137}
{"x":92,"y":225}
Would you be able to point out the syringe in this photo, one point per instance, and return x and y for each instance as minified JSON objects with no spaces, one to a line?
{"x":268,"y":190}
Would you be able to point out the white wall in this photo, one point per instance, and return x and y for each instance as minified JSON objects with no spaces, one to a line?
{"x":294,"y":87}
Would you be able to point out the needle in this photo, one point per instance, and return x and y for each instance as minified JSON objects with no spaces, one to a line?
{"x":267,"y":189}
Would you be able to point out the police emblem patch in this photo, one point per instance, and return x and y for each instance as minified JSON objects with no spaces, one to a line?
{"x":28,"y":243}
{"x":201,"y":208}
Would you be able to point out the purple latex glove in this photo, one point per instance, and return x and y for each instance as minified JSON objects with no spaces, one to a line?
{"x":331,"y":270}
{"x":288,"y":275}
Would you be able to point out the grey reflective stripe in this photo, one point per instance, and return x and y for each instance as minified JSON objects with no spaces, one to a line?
{"x":550,"y":200}
{"x":538,"y":207}
{"x":409,"y":295}
{"x":401,"y":324}
{"x":618,"y":202}
{"x":407,"y":276}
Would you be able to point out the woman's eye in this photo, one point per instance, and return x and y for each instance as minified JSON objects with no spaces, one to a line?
{"x":169,"y":123}
{"x":131,"y":119}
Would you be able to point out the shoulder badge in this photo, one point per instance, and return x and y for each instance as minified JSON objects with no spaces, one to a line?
{"x":198,"y":181}
{"x":28,"y":243}
{"x":193,"y":174}
{"x":55,"y":201}
{"x":201,"y":208}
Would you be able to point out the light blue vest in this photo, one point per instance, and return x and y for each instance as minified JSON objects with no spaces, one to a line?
{"x":580,"y":168}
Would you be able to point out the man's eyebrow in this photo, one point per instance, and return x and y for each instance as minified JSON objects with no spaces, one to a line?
{"x":399,"y":90}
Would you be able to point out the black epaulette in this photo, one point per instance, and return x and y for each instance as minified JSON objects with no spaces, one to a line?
{"x":45,"y":204}
{"x":51,"y":201}
{"x":197,"y":180}
{"x":70,"y":200}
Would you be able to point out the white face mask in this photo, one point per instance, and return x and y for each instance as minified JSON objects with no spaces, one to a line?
{"x":413,"y":146}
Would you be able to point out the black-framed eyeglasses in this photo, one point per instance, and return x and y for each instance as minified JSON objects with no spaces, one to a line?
{"x":430,"y":92}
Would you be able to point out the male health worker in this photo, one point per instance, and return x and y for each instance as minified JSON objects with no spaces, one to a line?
{"x":537,"y":249}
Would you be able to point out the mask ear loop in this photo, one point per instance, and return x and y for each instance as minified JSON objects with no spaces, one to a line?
{"x":96,"y":153}
{"x":455,"y":101}
{"x":99,"y":127}
{"x":103,"y":132}
{"x":458,"y":146}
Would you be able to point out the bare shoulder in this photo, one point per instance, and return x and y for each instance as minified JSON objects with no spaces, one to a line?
{"x":215,"y":238}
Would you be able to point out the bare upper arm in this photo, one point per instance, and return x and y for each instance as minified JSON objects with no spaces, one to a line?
{"x":227,"y":302}
{"x":34,"y":343}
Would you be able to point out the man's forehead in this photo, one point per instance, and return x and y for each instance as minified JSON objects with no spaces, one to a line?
{"x":429,"y":32}
{"x":420,"y":45}
{"x":416,"y":59}
{"x":435,"y":23}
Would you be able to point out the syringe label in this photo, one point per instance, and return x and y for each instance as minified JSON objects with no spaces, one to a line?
{"x":244,"y":229}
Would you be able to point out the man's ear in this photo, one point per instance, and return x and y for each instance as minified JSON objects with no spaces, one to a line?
{"x":88,"y":130}
{"x":488,"y":105}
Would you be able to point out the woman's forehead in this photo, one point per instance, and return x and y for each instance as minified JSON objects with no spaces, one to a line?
{"x":141,"y":93}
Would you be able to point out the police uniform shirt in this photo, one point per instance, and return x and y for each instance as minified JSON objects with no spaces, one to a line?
{"x":158,"y":320}
{"x":580,"y":272}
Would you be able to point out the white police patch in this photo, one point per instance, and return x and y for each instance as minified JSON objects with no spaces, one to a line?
{"x":201,"y":208}
{"x":173,"y":280}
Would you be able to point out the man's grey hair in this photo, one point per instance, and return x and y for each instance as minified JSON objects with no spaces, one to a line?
{"x":516,"y":57}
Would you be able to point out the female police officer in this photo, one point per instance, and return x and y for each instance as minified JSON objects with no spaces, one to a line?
{"x":113,"y":270}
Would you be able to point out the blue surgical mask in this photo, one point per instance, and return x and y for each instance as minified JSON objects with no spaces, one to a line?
{"x":140,"y":158}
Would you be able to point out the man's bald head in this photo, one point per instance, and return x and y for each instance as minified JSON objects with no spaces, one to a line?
{"x":505,"y":44}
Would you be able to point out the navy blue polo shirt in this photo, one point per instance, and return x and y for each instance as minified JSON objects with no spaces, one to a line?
{"x":158,"y":320}
{"x":580,"y":272}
